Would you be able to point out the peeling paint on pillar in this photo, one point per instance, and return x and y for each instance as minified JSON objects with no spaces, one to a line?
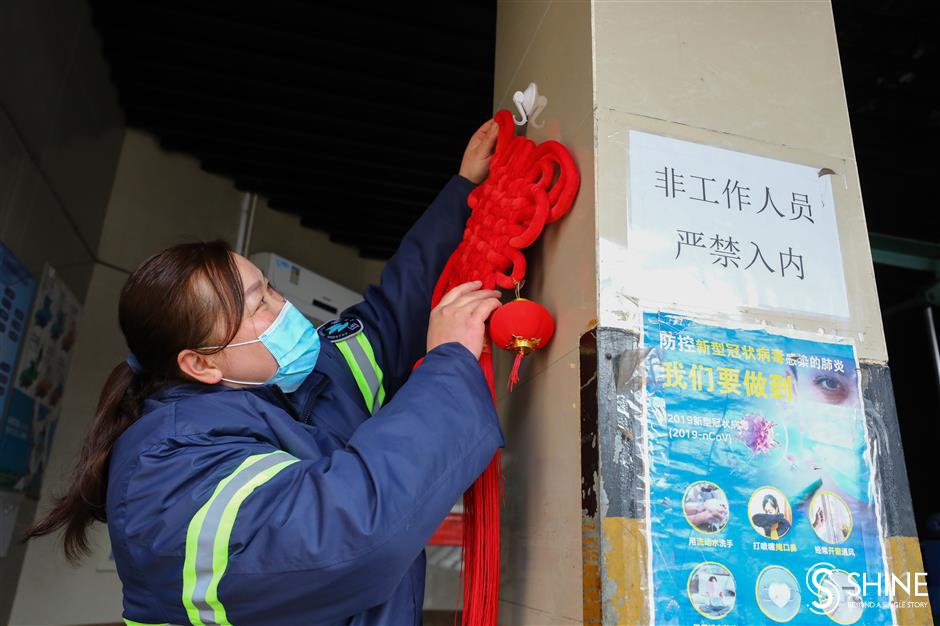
{"x":896,"y":511}
{"x":590,"y":537}
{"x":612,"y":480}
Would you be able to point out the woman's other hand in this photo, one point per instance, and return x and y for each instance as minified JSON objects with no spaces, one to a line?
{"x":460,"y":316}
{"x":476,"y":158}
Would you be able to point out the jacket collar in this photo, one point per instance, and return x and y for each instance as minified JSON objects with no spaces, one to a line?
{"x":182,"y":390}
{"x":301,"y":401}
{"x":306,"y":396}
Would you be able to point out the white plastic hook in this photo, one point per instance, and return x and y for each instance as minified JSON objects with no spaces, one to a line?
{"x":530,"y":104}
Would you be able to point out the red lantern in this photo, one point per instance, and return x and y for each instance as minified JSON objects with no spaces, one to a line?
{"x":521,"y":326}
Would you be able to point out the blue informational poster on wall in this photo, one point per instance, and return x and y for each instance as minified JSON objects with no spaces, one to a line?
{"x":760,"y":483}
{"x":30,"y":418}
{"x":17,"y":287}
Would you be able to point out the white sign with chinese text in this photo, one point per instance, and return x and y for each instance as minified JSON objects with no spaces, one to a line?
{"x":715,"y":226}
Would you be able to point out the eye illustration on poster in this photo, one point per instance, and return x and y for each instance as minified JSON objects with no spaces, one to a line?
{"x":759,"y":470}
{"x":31,"y":415}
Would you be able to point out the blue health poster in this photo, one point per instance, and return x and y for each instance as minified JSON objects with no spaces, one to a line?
{"x":38,"y":386}
{"x":760,"y":484}
{"x":16,"y":295}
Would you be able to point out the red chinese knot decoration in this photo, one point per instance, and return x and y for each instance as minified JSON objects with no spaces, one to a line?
{"x":529,"y":185}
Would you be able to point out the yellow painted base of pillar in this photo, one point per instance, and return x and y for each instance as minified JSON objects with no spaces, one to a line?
{"x":903,"y":557}
{"x":625,"y":587}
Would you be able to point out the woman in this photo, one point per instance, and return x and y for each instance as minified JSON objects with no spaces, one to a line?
{"x":772,"y":523}
{"x":255,"y":470}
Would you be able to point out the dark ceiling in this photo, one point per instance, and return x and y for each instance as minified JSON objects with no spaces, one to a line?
{"x":350,"y":115}
{"x":890,"y":63}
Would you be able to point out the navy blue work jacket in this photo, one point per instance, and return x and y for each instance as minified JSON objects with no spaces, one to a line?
{"x":254,"y":507}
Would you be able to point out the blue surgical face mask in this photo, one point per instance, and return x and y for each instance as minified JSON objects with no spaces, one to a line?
{"x":294,"y":343}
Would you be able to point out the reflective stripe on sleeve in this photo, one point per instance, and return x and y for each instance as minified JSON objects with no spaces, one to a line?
{"x":209,"y":532}
{"x":361,"y":360}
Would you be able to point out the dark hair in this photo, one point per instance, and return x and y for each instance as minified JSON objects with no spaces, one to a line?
{"x":772,"y":500}
{"x":712,"y":579}
{"x":187,"y":296}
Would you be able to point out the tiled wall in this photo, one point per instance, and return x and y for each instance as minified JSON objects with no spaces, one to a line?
{"x":60,"y":136}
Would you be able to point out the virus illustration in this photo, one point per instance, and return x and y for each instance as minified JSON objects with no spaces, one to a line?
{"x":757,"y":433}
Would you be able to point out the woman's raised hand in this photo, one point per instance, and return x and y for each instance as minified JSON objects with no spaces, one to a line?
{"x":460,"y":316}
{"x":476,"y":158}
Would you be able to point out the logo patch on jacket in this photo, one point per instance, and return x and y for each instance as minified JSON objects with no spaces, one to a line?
{"x":339,"y":329}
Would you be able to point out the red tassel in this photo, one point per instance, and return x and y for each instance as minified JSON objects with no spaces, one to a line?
{"x":481,"y":504}
{"x":514,"y":375}
{"x":481,"y":547}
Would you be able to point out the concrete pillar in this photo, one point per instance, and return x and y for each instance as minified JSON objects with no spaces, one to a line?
{"x":549,"y":43}
{"x":762,"y":78}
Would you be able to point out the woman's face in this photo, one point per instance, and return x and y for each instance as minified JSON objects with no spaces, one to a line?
{"x":251,"y":362}
{"x":770,"y":508}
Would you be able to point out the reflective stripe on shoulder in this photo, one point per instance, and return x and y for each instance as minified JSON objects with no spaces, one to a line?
{"x":209,"y":532}
{"x":361,"y":360}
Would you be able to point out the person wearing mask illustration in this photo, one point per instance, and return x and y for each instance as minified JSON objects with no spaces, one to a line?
{"x":772,"y":522}
{"x":253,"y":469}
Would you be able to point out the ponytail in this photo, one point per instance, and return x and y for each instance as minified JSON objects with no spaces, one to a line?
{"x":84,"y":502}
